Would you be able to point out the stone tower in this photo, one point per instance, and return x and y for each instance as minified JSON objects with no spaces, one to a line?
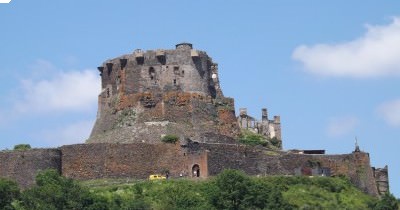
{"x":148,"y":94}
{"x":270,"y":129}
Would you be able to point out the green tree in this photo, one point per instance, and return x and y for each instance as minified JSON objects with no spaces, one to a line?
{"x":230,"y":189}
{"x":22,"y":147}
{"x":56,"y":192}
{"x":181,"y":195}
{"x":9,"y":191}
{"x":265,"y":195}
{"x":387,"y":202}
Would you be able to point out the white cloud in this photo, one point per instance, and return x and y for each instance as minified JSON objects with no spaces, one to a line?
{"x":376,"y":53}
{"x":390,"y":112}
{"x":74,"y":133}
{"x":63,"y":91}
{"x":339,"y":126}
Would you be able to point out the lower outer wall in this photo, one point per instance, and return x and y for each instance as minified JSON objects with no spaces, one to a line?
{"x":23,"y":166}
{"x":256,"y":161}
{"x":139,"y":160}
{"x":136,"y":160}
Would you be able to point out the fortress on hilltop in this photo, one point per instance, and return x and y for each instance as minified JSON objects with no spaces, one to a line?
{"x":149,"y":94}
{"x":163,"y":111}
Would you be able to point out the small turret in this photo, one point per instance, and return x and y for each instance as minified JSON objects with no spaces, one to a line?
{"x":264,"y":115}
{"x":277,"y":119}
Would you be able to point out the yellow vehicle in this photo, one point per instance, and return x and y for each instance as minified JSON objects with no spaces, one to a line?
{"x":157,"y":177}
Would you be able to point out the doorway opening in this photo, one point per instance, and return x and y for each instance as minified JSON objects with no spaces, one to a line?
{"x":196,"y":170}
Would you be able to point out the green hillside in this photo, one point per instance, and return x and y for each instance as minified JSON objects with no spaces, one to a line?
{"x":229,"y":190}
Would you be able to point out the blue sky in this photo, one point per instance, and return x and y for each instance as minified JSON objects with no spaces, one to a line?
{"x":331,"y":70}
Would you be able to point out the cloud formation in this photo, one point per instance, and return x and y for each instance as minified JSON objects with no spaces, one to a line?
{"x":342,"y":125}
{"x":63,"y":91}
{"x":390,"y":112}
{"x":376,"y":53}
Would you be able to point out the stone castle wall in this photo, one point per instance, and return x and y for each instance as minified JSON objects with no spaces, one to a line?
{"x":257,"y":161}
{"x":382,"y":179}
{"x":139,"y":160}
{"x":23,"y":166}
{"x":93,"y":161}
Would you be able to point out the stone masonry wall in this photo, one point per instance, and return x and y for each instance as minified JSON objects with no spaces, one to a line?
{"x":137,"y":160}
{"x":23,"y":166}
{"x":257,"y":161}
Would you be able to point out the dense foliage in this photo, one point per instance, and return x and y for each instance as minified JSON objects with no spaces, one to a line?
{"x":251,"y":138}
{"x":170,"y":138}
{"x":55,"y":192}
{"x":22,"y":147}
{"x":229,"y":190}
{"x":9,"y":191}
{"x":387,"y":201}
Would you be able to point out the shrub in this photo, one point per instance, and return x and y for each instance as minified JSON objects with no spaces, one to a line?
{"x":387,"y":202}
{"x":170,"y":138}
{"x":276,"y":142}
{"x":56,"y":192}
{"x":250,"y":138}
{"x":230,"y":189}
{"x":8,"y":192}
{"x":22,"y":147}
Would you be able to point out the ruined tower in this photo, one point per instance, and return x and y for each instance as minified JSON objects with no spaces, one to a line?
{"x":270,"y":129}
{"x":148,"y":94}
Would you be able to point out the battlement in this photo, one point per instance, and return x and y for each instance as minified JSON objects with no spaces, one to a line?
{"x":181,"y":69}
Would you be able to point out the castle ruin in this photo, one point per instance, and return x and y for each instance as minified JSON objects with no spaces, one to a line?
{"x":147,"y":95}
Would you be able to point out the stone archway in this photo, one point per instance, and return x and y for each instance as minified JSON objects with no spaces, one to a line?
{"x":196,"y":170}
